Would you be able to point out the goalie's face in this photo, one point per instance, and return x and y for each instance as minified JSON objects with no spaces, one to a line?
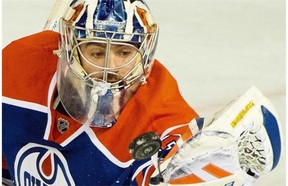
{"x":107,"y":53}
{"x":110,"y":62}
{"x":97,"y":77}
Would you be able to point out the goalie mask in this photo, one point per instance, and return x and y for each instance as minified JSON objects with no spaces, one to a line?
{"x":107,"y":52}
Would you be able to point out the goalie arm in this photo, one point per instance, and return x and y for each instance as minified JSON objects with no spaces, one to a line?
{"x":237,"y":145}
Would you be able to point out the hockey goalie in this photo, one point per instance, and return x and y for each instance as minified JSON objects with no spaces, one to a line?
{"x":86,"y":103}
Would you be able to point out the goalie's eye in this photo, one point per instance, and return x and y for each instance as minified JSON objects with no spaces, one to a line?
{"x":124,"y":52}
{"x":98,"y":54}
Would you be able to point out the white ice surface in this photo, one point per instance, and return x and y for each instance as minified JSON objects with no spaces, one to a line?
{"x":216,"y":49}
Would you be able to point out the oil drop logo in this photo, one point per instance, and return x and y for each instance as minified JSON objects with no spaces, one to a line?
{"x":42,"y":166}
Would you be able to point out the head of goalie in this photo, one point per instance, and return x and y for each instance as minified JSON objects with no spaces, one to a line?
{"x":107,"y":54}
{"x":105,"y":57}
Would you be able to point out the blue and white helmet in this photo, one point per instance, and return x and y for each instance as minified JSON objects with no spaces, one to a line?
{"x":96,"y":93}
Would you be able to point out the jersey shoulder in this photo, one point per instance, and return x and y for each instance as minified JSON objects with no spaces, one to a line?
{"x":44,"y":39}
{"x":28,"y":66}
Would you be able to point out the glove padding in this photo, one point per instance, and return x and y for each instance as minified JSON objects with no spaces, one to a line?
{"x":234,"y":147}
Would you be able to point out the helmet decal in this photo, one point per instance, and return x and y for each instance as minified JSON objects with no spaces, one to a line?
{"x":120,"y":16}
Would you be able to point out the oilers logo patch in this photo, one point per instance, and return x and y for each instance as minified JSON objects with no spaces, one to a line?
{"x":41,"y":165}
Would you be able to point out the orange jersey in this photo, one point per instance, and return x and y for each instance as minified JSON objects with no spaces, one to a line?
{"x":99,"y":155}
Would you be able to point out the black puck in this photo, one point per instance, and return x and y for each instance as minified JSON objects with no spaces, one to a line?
{"x":144,"y":146}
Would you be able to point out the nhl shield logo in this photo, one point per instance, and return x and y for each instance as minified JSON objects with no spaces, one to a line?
{"x":62,"y":125}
